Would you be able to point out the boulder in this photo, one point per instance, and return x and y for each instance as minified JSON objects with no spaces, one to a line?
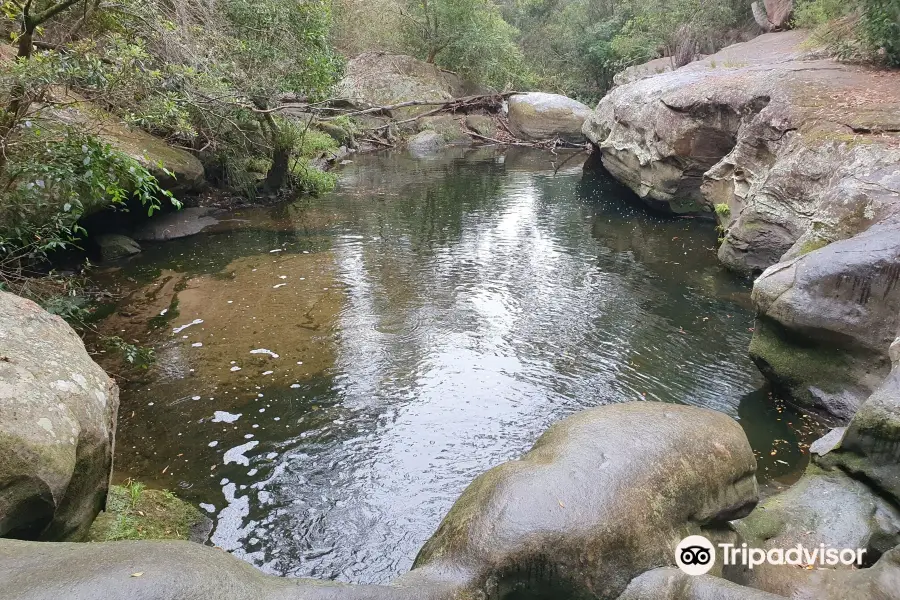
{"x":114,"y":246}
{"x":672,"y":584}
{"x":773,"y":15}
{"x":641,"y":71}
{"x":383,"y":79}
{"x":447,"y":126}
{"x":879,"y":582}
{"x":842,"y":304}
{"x":602,"y":496}
{"x":426,"y":143}
{"x":481,"y":124}
{"x":57,"y":426}
{"x":174,"y":225}
{"x":541,"y":116}
{"x":870,"y":447}
{"x":824,"y":507}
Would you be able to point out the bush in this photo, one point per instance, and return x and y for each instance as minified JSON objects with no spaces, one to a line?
{"x":854,"y":31}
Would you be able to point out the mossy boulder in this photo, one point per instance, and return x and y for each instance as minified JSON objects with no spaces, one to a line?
{"x":424,"y":144}
{"x":447,"y":126}
{"x":672,"y":584}
{"x":114,"y":246}
{"x":602,"y":496}
{"x":188,"y":175}
{"x":824,"y":507}
{"x":828,"y":318}
{"x":870,"y":447}
{"x":57,"y":426}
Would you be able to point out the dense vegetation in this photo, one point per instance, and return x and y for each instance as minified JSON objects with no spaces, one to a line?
{"x":854,"y":30}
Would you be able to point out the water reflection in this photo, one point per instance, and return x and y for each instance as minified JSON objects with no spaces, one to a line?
{"x":430,"y":320}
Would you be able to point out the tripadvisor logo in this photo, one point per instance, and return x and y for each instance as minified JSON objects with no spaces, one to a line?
{"x":696,"y":555}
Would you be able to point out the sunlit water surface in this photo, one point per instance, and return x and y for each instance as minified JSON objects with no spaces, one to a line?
{"x":333,"y":372}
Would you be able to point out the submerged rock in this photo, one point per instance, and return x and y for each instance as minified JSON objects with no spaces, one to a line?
{"x":603,"y":496}
{"x":541,"y":116}
{"x":114,"y":246}
{"x":174,"y":225}
{"x":57,"y":426}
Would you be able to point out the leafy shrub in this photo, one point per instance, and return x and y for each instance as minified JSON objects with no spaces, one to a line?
{"x":855,"y":31}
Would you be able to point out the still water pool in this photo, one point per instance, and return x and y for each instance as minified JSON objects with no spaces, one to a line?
{"x":333,"y":372}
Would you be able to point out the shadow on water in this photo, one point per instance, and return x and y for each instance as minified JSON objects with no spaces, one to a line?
{"x":333,"y":372}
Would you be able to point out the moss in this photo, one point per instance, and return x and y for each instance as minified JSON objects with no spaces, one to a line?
{"x":812,"y":245}
{"x":136,"y":513}
{"x":795,"y":367}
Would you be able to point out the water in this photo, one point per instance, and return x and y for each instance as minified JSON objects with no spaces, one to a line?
{"x":333,"y":372}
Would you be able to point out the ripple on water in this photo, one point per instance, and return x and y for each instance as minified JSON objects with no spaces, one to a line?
{"x":366,"y":354}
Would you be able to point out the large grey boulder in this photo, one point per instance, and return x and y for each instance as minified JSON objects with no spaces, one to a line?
{"x":824,"y":507}
{"x":57,"y":426}
{"x":844,"y":301}
{"x":773,"y":15}
{"x":603,"y":496}
{"x":425,"y":143}
{"x":542,"y":116}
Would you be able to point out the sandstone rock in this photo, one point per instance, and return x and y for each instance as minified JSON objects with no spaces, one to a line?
{"x":447,"y":126}
{"x":151,"y":151}
{"x":57,"y":426}
{"x":845,"y":298}
{"x":480,"y":124}
{"x":381,"y":79}
{"x":743,"y":129}
{"x":174,"y":225}
{"x":601,"y":497}
{"x":672,"y":584}
{"x":641,"y":71}
{"x":425,"y":143}
{"x":114,"y":246}
{"x":824,"y":507}
{"x":879,"y":582}
{"x":870,"y":448}
{"x":542,"y":116}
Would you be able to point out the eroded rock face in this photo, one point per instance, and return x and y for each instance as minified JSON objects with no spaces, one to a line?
{"x":845,"y":299}
{"x":57,"y":426}
{"x":602,"y":497}
{"x":780,"y":142}
{"x":824,"y":507}
{"x":870,"y":447}
{"x":796,"y":156}
{"x":542,"y":116}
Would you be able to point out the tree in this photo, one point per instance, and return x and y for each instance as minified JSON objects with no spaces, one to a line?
{"x":468,"y":36}
{"x":31,"y":16}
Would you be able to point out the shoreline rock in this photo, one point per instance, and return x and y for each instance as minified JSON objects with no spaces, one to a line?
{"x":796,"y":157}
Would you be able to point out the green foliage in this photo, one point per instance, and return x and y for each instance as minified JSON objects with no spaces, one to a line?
{"x":134,"y":512}
{"x":855,"y":30}
{"x":136,"y":356}
{"x":467,"y":36}
{"x":722,"y":209}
